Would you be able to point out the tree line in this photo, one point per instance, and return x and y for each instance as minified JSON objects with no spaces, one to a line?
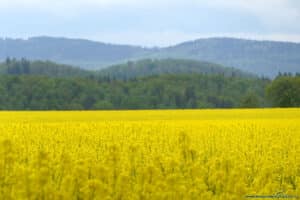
{"x":38,"y":85}
{"x":284,"y":91}
{"x":26,"y":92}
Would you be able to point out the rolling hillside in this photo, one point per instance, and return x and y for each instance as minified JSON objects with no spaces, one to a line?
{"x":261,"y":57}
{"x":148,"y":67}
{"x":84,"y":53}
{"x":43,"y":68}
{"x":131,"y":69}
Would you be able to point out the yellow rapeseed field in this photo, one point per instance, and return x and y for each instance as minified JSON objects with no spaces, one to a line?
{"x":188,"y":154}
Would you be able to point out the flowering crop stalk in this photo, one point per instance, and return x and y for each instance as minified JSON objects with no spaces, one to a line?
{"x":191,"y":154}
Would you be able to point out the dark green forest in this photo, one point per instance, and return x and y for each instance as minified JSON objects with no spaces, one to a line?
{"x":26,"y":92}
{"x":284,"y":91}
{"x":150,"y":67}
{"x":47,"y":68}
{"x":37,"y":85}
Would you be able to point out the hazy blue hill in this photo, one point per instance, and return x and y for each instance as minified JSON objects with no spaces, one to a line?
{"x":149,"y":67}
{"x":84,"y":53}
{"x":261,"y":57}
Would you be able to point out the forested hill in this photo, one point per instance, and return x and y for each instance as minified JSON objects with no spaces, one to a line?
{"x":129,"y":70}
{"x":41,"y":85}
{"x":150,"y":67}
{"x":45,"y":68}
{"x":261,"y":57}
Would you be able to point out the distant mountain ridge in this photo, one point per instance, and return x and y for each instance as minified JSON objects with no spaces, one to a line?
{"x":261,"y":57}
{"x":78,"y":52}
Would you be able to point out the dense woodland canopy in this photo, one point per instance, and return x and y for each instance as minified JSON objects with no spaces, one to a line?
{"x":38,"y":85}
{"x":163,"y":91}
{"x":284,"y":91}
{"x":47,"y":68}
{"x":149,"y":67}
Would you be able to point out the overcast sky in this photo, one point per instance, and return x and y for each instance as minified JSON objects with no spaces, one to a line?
{"x":151,"y":22}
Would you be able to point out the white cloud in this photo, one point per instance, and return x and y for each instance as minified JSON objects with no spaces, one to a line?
{"x":278,"y":19}
{"x":71,"y":8}
{"x":271,"y":12}
{"x":49,"y":4}
{"x":149,"y":39}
